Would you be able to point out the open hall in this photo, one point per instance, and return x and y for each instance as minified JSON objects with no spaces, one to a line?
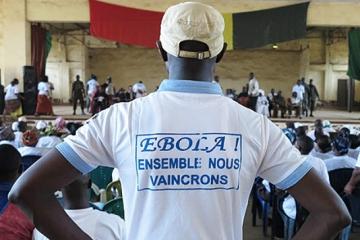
{"x":211,"y":119}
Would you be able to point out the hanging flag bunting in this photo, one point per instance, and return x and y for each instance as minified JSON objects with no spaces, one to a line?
{"x":354,"y":54}
{"x":242,"y":30}
{"x":124,"y":25}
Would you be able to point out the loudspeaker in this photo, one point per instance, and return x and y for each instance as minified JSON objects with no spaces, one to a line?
{"x":30,"y":90}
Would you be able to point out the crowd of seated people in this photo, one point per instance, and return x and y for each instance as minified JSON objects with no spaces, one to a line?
{"x":327,"y":149}
{"x":22,"y":142}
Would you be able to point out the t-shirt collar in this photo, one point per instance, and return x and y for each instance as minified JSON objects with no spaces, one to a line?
{"x":190,"y":86}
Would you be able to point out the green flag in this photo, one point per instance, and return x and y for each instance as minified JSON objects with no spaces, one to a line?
{"x":47,"y":44}
{"x":354,"y":54}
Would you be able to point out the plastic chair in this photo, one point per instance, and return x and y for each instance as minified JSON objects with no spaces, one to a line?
{"x":113,"y":190}
{"x":101,"y":176}
{"x":115,"y":206}
{"x":27,"y":161}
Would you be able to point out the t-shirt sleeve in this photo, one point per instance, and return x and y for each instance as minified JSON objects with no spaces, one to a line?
{"x":282,"y":163}
{"x":93,"y":143}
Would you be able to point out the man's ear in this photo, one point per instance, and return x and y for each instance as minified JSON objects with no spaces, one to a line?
{"x":162,"y":52}
{"x":221,"y":54}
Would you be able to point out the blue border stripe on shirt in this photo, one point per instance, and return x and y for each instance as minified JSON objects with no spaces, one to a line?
{"x":73,"y":158}
{"x":190,"y":86}
{"x":295,"y":176}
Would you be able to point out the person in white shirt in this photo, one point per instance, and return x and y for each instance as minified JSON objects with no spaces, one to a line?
{"x":109,"y":90}
{"x":12,"y":101}
{"x":253,"y":91}
{"x":91,"y":88}
{"x":139,"y":89}
{"x":341,"y":159}
{"x":186,"y":151}
{"x":44,"y":105}
{"x":262,"y":105}
{"x":323,"y":148}
{"x":305,"y":145}
{"x":97,"y":224}
{"x":30,"y":139}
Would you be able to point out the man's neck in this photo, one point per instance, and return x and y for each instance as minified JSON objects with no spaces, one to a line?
{"x":191,"y":69}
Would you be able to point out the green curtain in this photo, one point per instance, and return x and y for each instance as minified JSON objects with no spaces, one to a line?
{"x":47,"y":44}
{"x":354,"y":54}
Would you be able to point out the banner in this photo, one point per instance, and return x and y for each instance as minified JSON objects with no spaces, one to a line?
{"x":124,"y":25}
{"x":242,"y":30}
{"x":354,"y":54}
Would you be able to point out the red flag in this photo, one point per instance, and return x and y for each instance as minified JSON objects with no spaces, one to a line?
{"x":123,"y":24}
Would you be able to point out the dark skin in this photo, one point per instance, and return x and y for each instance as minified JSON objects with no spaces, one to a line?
{"x":327,"y":211}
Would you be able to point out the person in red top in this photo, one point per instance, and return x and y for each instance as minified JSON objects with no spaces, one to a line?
{"x":14,"y":224}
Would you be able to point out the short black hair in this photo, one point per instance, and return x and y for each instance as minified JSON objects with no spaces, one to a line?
{"x":305,"y":144}
{"x":300,"y":131}
{"x":324,"y":143}
{"x":22,"y":126}
{"x":10,"y":160}
{"x":354,"y":141}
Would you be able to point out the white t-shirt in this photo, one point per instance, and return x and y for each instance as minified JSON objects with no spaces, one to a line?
{"x":97,"y":224}
{"x":300,"y":90}
{"x":321,"y":155}
{"x":32,"y":151}
{"x":186,"y":171}
{"x":253,"y":87}
{"x":139,"y":89}
{"x":43,"y":88}
{"x":262,"y":106}
{"x":92,"y":85}
{"x":11,"y":92}
{"x":354,"y":153}
{"x":48,"y":142}
{"x":338,"y":162}
{"x":289,"y":204}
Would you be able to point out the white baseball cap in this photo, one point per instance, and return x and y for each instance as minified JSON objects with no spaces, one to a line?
{"x":192,"y":21}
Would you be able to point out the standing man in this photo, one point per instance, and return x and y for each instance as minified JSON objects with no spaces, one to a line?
{"x":300,"y":92}
{"x":109,"y":90}
{"x":204,"y":193}
{"x":313,"y":95}
{"x":306,"y":97}
{"x":78,"y":93}
{"x":139,"y":89}
{"x":91,"y":88}
{"x":253,"y":91}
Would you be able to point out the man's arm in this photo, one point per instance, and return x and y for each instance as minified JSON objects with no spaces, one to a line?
{"x":354,"y":180}
{"x":328,"y":213}
{"x":34,"y":191}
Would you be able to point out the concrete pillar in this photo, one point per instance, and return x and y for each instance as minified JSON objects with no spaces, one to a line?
{"x":16,"y":40}
{"x":304,"y":60}
{"x":328,"y":83}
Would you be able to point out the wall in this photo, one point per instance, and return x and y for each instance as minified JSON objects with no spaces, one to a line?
{"x":129,"y":65}
{"x":67,"y":58}
{"x":279,"y":69}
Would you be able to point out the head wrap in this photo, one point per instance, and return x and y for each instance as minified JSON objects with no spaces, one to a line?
{"x":30,"y":138}
{"x":60,"y":123}
{"x":341,"y":144}
{"x":290,"y":134}
{"x":6,"y":134}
